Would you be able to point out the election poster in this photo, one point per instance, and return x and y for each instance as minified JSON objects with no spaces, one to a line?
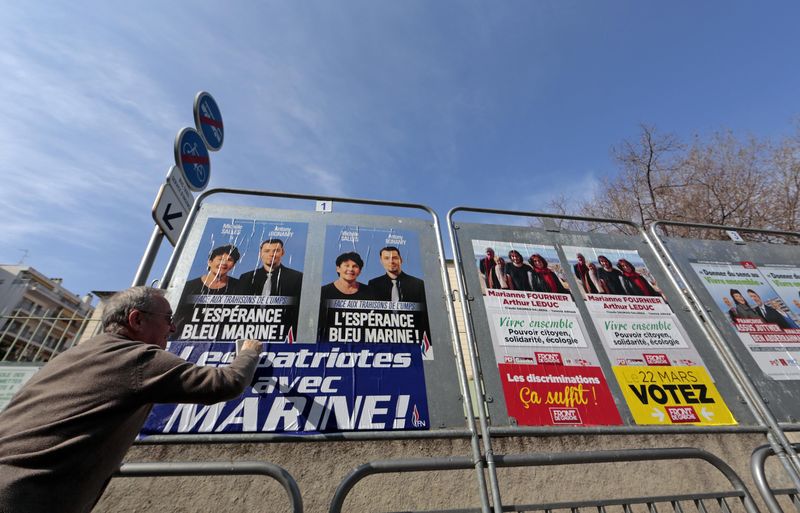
{"x":661,"y":374}
{"x":785,"y":281}
{"x":371,"y":291}
{"x":548,"y":367}
{"x":307,"y":389}
{"x":244,"y":282}
{"x":763,"y":319}
{"x":363,"y":373}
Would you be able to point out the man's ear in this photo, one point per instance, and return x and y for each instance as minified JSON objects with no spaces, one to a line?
{"x":135,"y":319}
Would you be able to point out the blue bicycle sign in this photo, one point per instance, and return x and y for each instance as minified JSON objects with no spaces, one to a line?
{"x":208,"y":120}
{"x":191,"y":156}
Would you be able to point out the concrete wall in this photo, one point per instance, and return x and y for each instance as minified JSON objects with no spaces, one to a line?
{"x":318,"y":468}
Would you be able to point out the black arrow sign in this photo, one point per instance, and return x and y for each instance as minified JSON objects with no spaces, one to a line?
{"x":167,"y":217}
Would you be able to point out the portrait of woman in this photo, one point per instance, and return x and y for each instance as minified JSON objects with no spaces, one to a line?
{"x":542,"y":278}
{"x":742,"y":307}
{"x":347,"y":286}
{"x":609,"y":276}
{"x":221,"y":262}
{"x":518,"y":273}
{"x":633,"y":283}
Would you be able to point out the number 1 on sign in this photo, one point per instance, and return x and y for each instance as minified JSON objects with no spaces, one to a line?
{"x":735,"y":237}
{"x":324,"y":206}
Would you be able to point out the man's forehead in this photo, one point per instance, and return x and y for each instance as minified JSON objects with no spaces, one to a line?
{"x":389,"y":253}
{"x":271,"y":246}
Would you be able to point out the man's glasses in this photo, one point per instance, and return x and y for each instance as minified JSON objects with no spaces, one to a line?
{"x":167,"y":315}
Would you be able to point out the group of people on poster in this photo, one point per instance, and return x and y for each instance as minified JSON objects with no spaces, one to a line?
{"x":393,"y":285}
{"x":271,"y":279}
{"x":274,"y":286}
{"x":604,"y":278}
{"x":275,"y":279}
{"x":534,"y":275}
{"x":390,"y":307}
{"x":740,"y":308}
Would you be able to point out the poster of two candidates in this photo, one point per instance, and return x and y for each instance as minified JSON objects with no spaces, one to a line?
{"x":763,"y":306}
{"x":363,"y":370}
{"x":661,"y":375}
{"x":548,"y":367}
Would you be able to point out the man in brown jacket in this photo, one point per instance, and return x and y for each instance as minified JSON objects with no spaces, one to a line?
{"x":67,"y":430}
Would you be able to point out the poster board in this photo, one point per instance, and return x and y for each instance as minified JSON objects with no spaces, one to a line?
{"x":344,"y":352}
{"x":768,"y":351}
{"x":653,"y":357}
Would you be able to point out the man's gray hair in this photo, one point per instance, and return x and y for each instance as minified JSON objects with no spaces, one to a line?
{"x":120,"y":305}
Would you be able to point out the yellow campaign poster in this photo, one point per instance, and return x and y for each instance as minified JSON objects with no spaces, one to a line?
{"x":669,"y":395}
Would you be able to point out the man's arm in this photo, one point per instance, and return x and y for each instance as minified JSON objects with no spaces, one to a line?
{"x":166,"y":378}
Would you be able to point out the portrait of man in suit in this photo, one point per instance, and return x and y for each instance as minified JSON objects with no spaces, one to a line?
{"x":395,"y":285}
{"x":273,"y":278}
{"x":766,"y":312}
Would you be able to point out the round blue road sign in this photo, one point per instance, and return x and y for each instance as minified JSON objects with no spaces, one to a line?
{"x":191,"y":156}
{"x":208,"y":120}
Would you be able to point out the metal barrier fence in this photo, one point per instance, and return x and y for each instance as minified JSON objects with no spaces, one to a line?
{"x":37,"y":338}
{"x":769,"y":494}
{"x":678,"y":503}
{"x":212,"y":468}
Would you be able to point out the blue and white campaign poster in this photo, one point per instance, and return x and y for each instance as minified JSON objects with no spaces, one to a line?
{"x":244,"y":282}
{"x":371,"y":292}
{"x":366,"y":374}
{"x":307,"y":389}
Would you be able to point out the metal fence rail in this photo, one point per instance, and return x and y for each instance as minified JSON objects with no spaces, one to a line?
{"x":678,"y":503}
{"x":770,"y":495}
{"x":38,"y":338}
{"x":213,"y":468}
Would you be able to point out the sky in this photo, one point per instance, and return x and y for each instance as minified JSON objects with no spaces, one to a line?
{"x":443,"y":103}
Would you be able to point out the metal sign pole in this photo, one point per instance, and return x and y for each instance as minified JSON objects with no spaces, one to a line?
{"x":148,"y":258}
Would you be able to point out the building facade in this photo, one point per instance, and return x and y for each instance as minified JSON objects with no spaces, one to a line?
{"x":38,"y":316}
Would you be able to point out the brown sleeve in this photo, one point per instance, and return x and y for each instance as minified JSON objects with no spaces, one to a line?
{"x":165,"y":378}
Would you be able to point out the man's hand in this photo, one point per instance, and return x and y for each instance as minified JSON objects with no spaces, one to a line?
{"x":254,"y":345}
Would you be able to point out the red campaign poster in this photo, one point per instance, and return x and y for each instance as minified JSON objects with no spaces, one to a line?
{"x":554,"y":394}
{"x":548,"y":366}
